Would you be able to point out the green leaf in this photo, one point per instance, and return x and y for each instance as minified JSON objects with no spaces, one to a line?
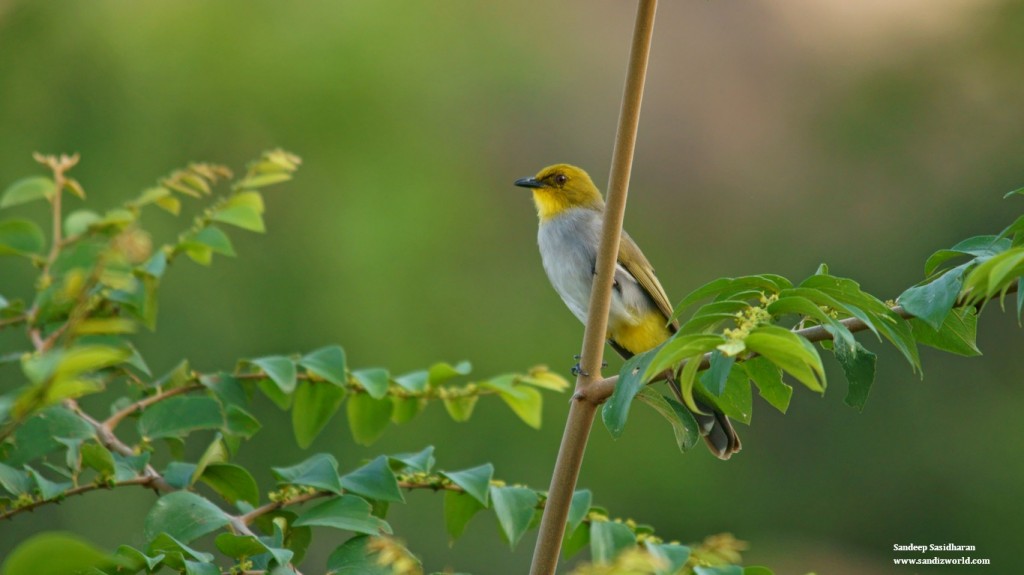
{"x":37,"y":436}
{"x":684,"y":426}
{"x":757,"y":571}
{"x":197,"y":568}
{"x":54,"y":553}
{"x":175,"y":552}
{"x":578,"y":508}
{"x":631,"y":380}
{"x":15,"y":481}
{"x":20,"y":237}
{"x":958,"y":333}
{"x":608,"y":539}
{"x":27,"y":190}
{"x":459,"y":508}
{"x":575,"y":541}
{"x":179,"y":474}
{"x":211,"y":238}
{"x":328,"y":363}
{"x":368,"y":417}
{"x":526,"y":402}
{"x":474,"y":481}
{"x":768,"y":378}
{"x":415,"y":381}
{"x":717,"y":374}
{"x":441,"y":372}
{"x":460,"y":408}
{"x":672,"y":555}
{"x":133,"y":560}
{"x":374,"y":380}
{"x":178,"y":416}
{"x":273,"y":392}
{"x":344,"y":512}
{"x":404,"y":409}
{"x":792,"y":302}
{"x":278,"y":368}
{"x":375,"y":480}
{"x":239,"y":422}
{"x":79,"y":221}
{"x":315,"y":405}
{"x":238,"y":546}
{"x":736,"y":400}
{"x":679,"y":348}
{"x":232,"y":482}
{"x":859,"y":368}
{"x":982,"y":247}
{"x":184,"y":516}
{"x":242,"y":216}
{"x":790,"y":352}
{"x":47,"y":489}
{"x":933,"y":301}
{"x":422,"y":460}
{"x":216,"y":452}
{"x":263,"y":180}
{"x":319,"y":471}
{"x":353,"y":558}
{"x":514,"y":507}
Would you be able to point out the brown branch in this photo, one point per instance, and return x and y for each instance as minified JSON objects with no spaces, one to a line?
{"x":581,"y":413}
{"x":111,"y":422}
{"x":143,"y":481}
{"x":601,"y":390}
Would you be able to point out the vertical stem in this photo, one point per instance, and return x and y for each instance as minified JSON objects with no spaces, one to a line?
{"x":582,"y":410}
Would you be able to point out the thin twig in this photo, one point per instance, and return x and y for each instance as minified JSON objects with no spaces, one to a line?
{"x":143,"y":481}
{"x":581,"y":413}
{"x":111,"y":422}
{"x":600,"y":391}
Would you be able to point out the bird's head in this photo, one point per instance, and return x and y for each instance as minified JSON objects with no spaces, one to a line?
{"x":561,"y":187}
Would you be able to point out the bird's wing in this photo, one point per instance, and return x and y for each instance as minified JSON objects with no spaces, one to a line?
{"x":634,"y":262}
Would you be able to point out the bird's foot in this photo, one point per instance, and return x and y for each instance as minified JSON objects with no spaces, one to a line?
{"x":577,"y":370}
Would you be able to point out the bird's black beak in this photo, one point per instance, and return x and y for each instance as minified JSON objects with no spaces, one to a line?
{"x":529,"y":183}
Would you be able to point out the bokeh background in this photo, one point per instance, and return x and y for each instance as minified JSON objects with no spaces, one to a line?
{"x":774,"y":136}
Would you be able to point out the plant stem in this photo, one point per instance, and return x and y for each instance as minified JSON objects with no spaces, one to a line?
{"x":582,"y":412}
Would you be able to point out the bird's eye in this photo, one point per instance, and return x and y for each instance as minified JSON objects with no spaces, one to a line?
{"x":561,"y":179}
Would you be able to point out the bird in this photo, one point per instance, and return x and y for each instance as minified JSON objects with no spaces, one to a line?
{"x":571,"y":213}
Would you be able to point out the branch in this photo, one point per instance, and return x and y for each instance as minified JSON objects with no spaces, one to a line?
{"x":581,"y":413}
{"x":143,"y":481}
{"x":600,"y":391}
{"x":111,"y":422}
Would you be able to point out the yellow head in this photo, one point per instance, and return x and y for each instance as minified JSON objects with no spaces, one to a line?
{"x":560,"y":187}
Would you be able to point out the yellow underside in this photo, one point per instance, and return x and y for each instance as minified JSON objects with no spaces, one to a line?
{"x":549,"y":204}
{"x":649,"y":332}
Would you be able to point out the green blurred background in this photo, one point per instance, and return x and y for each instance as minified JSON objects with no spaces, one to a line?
{"x":774,"y":136}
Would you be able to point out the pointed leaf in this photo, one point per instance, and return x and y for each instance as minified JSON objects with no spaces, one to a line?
{"x":514,"y":507}
{"x":768,"y":378}
{"x":933,"y":301}
{"x":578,"y":508}
{"x":631,"y":380}
{"x":232,"y":482}
{"x":242,"y":216}
{"x":958,"y":333}
{"x":20,"y":237}
{"x":184,"y":516}
{"x":859,"y":367}
{"x":422,"y":460}
{"x":280,"y":369}
{"x":345,"y":512}
{"x":178,"y":416}
{"x":476,"y":481}
{"x":375,"y":480}
{"x":368,"y":417}
{"x":319,"y":471}
{"x":328,"y":363}
{"x":374,"y":380}
{"x":673,"y":556}
{"x":608,"y":539}
{"x":459,"y":508}
{"x":315,"y":405}
{"x":790,"y":352}
{"x":684,"y":426}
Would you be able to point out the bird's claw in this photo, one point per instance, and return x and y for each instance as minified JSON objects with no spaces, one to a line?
{"x":577,"y":370}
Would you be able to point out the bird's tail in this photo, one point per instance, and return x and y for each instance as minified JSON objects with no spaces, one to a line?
{"x":715,"y":427}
